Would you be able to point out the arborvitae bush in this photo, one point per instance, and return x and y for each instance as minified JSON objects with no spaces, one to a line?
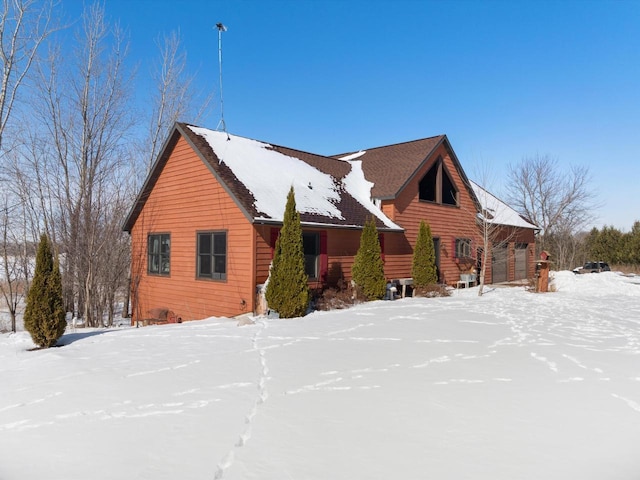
{"x":44,"y":315}
{"x":423,"y":270}
{"x":368,"y":271}
{"x":287,"y":291}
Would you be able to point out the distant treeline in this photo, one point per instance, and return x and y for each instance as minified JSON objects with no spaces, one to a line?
{"x":613,"y":246}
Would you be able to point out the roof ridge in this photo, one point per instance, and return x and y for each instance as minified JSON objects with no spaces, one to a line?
{"x":442,"y":135}
{"x":271,"y":144}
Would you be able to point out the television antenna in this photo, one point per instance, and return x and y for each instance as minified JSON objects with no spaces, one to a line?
{"x":221,"y":125}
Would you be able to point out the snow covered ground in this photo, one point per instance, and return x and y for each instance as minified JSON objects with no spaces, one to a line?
{"x":512,"y":385}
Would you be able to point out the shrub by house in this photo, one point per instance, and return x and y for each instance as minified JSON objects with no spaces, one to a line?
{"x":287,"y":290}
{"x":368,"y":270}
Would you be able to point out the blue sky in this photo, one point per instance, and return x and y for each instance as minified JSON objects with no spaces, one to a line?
{"x":503,"y":80}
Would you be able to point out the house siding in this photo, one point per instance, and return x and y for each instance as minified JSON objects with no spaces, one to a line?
{"x":447,"y":222}
{"x":187,"y":199}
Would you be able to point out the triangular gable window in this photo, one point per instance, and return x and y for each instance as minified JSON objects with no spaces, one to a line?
{"x":437,"y":185}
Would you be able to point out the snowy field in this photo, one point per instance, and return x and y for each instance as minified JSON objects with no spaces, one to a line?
{"x":512,"y":385}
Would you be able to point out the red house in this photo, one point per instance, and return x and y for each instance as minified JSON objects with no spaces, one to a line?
{"x":205,"y":222}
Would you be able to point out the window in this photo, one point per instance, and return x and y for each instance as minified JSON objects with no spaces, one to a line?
{"x":428,"y":184}
{"x":449,"y":194}
{"x":311,"y":247}
{"x":314,"y":248}
{"x":212,"y":255}
{"x":437,"y":186}
{"x":463,"y":248}
{"x":158,"y":248}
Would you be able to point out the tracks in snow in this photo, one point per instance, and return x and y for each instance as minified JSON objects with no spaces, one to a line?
{"x":228,"y":459}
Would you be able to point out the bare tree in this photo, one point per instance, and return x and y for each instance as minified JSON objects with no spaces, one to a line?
{"x":15,"y":257}
{"x":75,"y":169}
{"x":566,"y":246}
{"x":24,"y":26}
{"x":559,"y":202}
{"x":492,"y":233}
{"x":86,"y":117}
{"x":173,"y":98}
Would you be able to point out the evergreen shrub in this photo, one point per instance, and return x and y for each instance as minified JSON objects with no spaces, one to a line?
{"x":423,"y":270}
{"x":44,"y":315}
{"x":287,"y":291}
{"x":368,"y":270}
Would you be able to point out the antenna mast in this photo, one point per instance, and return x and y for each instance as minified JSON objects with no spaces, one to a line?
{"x":221,"y":125}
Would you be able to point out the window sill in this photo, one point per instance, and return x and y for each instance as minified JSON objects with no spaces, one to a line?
{"x":209,"y":279}
{"x":432,"y":202}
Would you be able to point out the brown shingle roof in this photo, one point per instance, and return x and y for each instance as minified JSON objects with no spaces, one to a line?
{"x":352,"y":210}
{"x":390,"y":167}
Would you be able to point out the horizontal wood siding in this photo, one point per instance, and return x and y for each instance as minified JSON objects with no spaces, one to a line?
{"x":447,"y":222}
{"x":264,"y":252}
{"x":342,"y":247}
{"x":187,"y":199}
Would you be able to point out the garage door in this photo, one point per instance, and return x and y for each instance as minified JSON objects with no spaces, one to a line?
{"x":521,"y":261}
{"x":499,"y":264}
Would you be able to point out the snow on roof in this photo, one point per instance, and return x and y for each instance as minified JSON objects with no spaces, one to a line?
{"x":353,"y":156}
{"x":360,"y":188}
{"x":269,"y":174}
{"x":500,"y":212}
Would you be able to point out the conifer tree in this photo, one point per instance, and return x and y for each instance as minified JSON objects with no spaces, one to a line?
{"x":368,"y":270}
{"x":423,"y":270}
{"x":44,"y":315}
{"x":287,"y":291}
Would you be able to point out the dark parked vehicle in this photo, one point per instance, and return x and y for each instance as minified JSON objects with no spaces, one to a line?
{"x":593,"y":267}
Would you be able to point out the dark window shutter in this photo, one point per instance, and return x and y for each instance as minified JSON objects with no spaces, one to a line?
{"x":324,"y":258}
{"x":381,"y":240}
{"x":274,"y":236}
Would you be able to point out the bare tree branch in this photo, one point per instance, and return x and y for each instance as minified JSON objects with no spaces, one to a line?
{"x":24,"y":26}
{"x":560,"y":203}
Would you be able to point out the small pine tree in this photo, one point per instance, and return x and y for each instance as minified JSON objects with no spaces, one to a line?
{"x":44,"y":315}
{"x":423,"y":270}
{"x":368,"y":271}
{"x":287,"y":291}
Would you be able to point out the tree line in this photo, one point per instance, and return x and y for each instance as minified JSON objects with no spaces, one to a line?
{"x":614,"y":246}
